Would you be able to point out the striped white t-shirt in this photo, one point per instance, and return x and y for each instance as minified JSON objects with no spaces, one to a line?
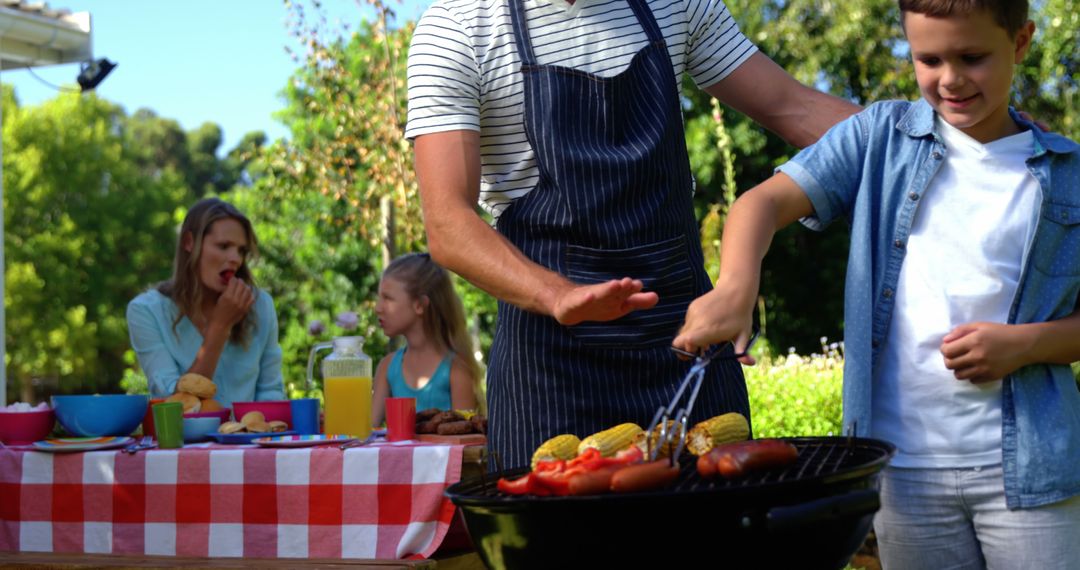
{"x":464,"y":69}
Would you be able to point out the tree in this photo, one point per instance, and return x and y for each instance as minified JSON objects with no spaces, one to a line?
{"x":320,"y":200}
{"x":85,"y":230}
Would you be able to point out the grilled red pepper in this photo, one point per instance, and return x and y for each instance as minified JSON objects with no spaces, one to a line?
{"x":574,"y":477}
{"x":519,"y":486}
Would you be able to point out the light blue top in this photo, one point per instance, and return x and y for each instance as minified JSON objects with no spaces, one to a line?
{"x":872,"y":169}
{"x":242,"y":374}
{"x":434,"y":394}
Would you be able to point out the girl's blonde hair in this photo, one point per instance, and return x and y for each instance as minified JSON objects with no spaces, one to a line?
{"x":444,"y":316}
{"x":185,"y":287}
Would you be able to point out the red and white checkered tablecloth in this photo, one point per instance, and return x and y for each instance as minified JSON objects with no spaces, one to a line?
{"x":379,"y":501}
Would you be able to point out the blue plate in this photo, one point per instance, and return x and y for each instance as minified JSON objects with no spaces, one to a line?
{"x":303,"y":440}
{"x":66,"y":444}
{"x":245,"y":437}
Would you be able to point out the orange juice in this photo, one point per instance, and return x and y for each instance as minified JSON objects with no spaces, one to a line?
{"x":348,"y":405}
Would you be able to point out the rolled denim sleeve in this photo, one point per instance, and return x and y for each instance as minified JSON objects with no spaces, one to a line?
{"x":830,"y":171}
{"x":270,"y":385}
{"x":162,"y":371}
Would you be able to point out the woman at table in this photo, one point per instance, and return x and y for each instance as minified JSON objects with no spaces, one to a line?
{"x":210,"y":318}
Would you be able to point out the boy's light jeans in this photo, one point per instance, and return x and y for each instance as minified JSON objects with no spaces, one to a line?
{"x":945,"y":519}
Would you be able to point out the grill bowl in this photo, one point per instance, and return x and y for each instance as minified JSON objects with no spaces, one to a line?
{"x":814,"y":514}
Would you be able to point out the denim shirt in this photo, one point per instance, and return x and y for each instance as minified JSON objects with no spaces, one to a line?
{"x":872,"y":169}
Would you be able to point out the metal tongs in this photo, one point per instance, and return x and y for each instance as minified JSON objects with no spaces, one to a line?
{"x":696,"y":375}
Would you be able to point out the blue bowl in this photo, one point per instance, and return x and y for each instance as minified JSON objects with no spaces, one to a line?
{"x":100,"y":415}
{"x":199,"y":429}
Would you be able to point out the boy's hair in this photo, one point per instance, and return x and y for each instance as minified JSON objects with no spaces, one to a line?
{"x":1009,"y":14}
{"x":444,"y":318}
{"x":185,"y":287}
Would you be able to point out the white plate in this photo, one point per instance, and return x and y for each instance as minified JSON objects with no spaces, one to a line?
{"x":303,"y":440}
{"x":65,"y":444}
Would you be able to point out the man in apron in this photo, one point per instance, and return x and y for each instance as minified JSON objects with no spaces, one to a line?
{"x":564,"y":119}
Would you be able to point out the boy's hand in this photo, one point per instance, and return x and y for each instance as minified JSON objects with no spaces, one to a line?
{"x":715,"y":318}
{"x":983,"y":352}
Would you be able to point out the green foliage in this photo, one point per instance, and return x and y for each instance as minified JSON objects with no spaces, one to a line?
{"x":332,"y":203}
{"x":797,"y":395}
{"x":85,"y":230}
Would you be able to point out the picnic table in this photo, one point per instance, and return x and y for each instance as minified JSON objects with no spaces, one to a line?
{"x":379,"y":502}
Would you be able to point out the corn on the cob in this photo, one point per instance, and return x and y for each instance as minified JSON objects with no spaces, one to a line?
{"x":612,"y":440}
{"x":647,"y":443}
{"x":559,"y":447}
{"x":714,"y":431}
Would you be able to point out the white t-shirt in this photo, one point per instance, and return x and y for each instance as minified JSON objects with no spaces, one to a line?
{"x":968,"y":243}
{"x":464,"y":69}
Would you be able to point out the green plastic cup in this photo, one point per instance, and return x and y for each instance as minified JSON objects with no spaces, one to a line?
{"x":169,"y":425}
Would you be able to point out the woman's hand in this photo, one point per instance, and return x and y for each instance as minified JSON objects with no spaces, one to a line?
{"x":983,"y":352}
{"x":602,"y":301}
{"x":233,"y":304}
{"x":715,"y":317}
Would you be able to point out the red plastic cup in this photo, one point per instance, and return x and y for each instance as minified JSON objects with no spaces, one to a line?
{"x":400,"y":419}
{"x":148,"y":419}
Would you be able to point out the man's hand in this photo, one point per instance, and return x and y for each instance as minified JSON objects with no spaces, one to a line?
{"x":714,"y":318}
{"x":602,"y":301}
{"x":984,"y":352}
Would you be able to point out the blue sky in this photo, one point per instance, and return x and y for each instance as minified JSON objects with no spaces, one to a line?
{"x":195,"y":61}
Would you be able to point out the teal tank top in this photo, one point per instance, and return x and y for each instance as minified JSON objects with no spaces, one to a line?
{"x":434,"y":394}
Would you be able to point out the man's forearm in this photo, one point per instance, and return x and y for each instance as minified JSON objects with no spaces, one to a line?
{"x":463,"y":243}
{"x":448,"y":169}
{"x":770,"y":96}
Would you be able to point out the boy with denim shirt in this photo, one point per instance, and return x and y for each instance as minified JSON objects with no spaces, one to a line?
{"x":960,"y":301}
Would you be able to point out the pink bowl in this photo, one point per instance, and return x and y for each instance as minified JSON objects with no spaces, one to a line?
{"x":21,"y":428}
{"x":222,"y":414}
{"x":272,"y":409}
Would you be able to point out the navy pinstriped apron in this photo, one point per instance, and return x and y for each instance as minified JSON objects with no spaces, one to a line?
{"x":613,"y":200}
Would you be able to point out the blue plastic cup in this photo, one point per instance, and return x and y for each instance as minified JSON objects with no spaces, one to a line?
{"x":305,"y":416}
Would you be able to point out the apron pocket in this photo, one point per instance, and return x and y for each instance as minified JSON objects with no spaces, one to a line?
{"x":665,"y":269}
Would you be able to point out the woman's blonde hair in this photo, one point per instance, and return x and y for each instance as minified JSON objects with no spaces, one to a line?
{"x":444,"y":316}
{"x":185,"y":288}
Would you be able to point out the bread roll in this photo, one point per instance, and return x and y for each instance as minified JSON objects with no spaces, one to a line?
{"x":191,"y":403}
{"x":197,"y":385}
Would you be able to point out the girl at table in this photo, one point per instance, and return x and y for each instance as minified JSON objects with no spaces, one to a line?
{"x":436,"y":366}
{"x":210,"y":319}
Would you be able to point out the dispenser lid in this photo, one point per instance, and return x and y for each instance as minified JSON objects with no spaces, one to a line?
{"x":349,"y":344}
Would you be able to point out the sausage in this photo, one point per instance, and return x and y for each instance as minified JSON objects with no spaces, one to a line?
{"x":425,"y":415}
{"x":454,"y":428}
{"x":739,"y":459}
{"x":479,"y":423}
{"x":706,"y":466}
{"x":427,"y":427}
{"x":594,"y":482}
{"x":644,"y":476}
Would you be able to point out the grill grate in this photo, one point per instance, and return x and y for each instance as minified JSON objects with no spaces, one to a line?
{"x":820,"y":459}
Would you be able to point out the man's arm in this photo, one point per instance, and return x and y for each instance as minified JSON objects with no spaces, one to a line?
{"x":448,"y":171}
{"x":766,"y":93}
